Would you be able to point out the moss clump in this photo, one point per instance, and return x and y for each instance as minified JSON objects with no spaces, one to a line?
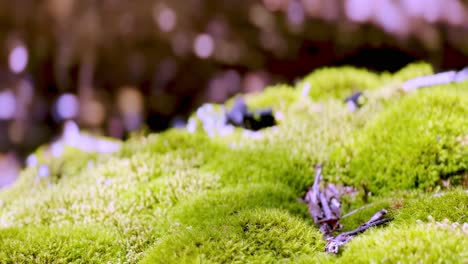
{"x":278,"y":97}
{"x":131,"y":191}
{"x":259,"y":165}
{"x":60,"y":168}
{"x":413,"y":70}
{"x":451,"y":205}
{"x":245,"y":236}
{"x":339,"y":82}
{"x":412,"y":144}
{"x":65,"y":244}
{"x":232,"y":200}
{"x":417,"y":243}
{"x":191,"y":197}
{"x":256,"y":222}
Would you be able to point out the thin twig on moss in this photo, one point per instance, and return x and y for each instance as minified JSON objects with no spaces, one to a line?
{"x":325,"y":209}
{"x":324,"y":206}
{"x":334,"y":243}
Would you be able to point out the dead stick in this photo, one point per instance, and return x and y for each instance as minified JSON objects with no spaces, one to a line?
{"x":316,"y":186}
{"x":366,"y":226}
{"x":325,"y":206}
{"x":312,"y":196}
{"x":335,"y":243}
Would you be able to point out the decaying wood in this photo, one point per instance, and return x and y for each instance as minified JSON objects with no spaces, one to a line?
{"x":325,"y":208}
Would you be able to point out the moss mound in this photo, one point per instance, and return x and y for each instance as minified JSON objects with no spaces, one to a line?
{"x":412,"y":144}
{"x":64,"y":244}
{"x":338,"y":82}
{"x":409,"y":244}
{"x":246,"y":236}
{"x":194,"y":196}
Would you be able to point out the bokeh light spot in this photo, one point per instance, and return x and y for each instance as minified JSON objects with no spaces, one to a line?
{"x":130,"y":103}
{"x":7,"y":105}
{"x":359,"y":10}
{"x":18,"y":58}
{"x":166,"y":19}
{"x":203,"y":46}
{"x":295,"y":12}
{"x":92,"y":112}
{"x":67,"y":106}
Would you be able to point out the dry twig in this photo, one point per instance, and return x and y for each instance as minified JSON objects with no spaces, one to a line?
{"x":334,"y":243}
{"x":325,"y":208}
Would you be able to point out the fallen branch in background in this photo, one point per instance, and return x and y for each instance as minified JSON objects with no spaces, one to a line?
{"x":436,"y":79}
{"x":325,"y":208}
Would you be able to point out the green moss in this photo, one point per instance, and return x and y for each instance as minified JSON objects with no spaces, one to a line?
{"x":170,"y":141}
{"x":247,"y":236}
{"x":417,"y":243}
{"x":259,"y":165}
{"x":413,"y":70}
{"x":452,"y":205}
{"x":413,"y":144}
{"x":130,"y":191}
{"x":278,"y":97}
{"x":69,"y":164}
{"x":339,"y":82}
{"x":229,"y":201}
{"x":65,"y":244}
{"x":188,"y":197}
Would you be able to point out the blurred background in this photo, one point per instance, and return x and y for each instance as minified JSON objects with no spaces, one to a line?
{"x":114,"y":66}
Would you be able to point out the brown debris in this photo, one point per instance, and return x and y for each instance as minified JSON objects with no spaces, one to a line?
{"x":324,"y":205}
{"x":325,"y":208}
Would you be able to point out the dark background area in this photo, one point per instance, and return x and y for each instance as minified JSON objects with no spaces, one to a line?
{"x":115,"y":66}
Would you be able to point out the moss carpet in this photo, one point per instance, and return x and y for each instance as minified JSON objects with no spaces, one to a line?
{"x":180,"y":197}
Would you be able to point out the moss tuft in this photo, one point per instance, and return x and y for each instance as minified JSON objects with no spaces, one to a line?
{"x":452,"y":205}
{"x":260,"y":235}
{"x":65,"y":244}
{"x":412,"y":144}
{"x":278,"y":97}
{"x":413,"y":70}
{"x":339,"y":82}
{"x":417,"y":243}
